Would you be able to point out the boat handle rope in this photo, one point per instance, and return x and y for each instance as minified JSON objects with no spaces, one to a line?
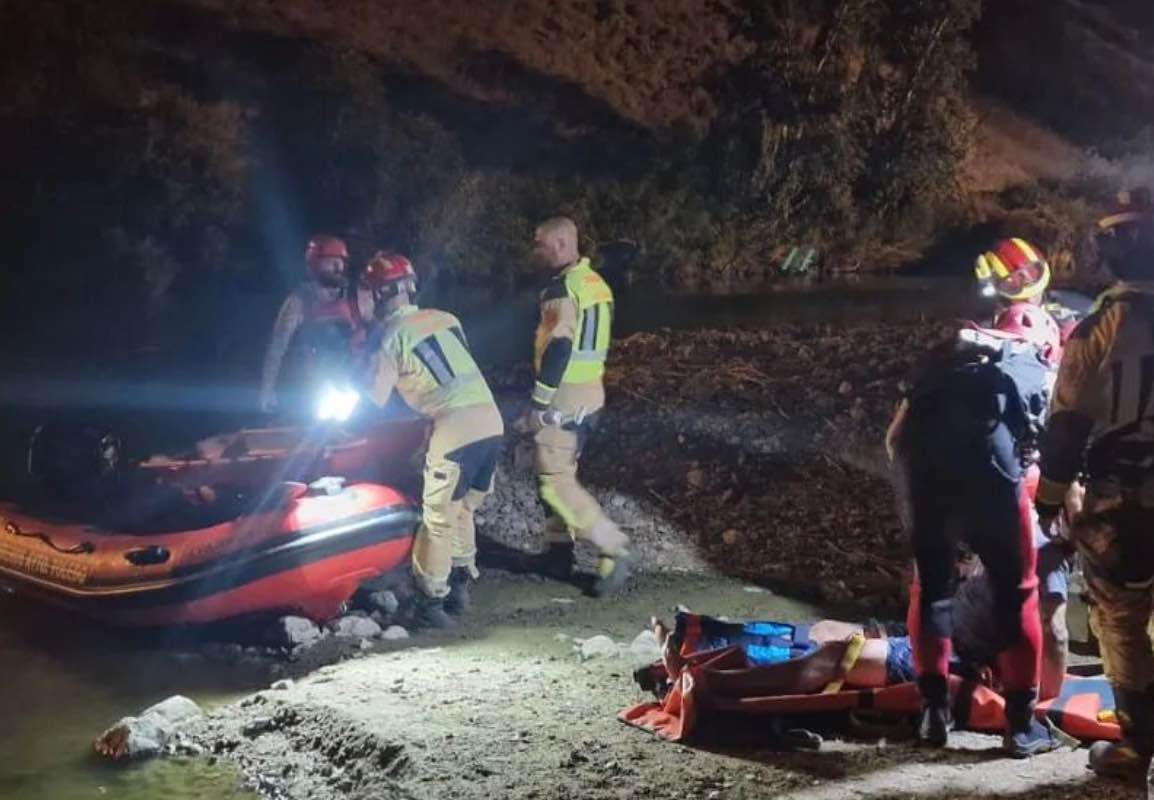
{"x":83,"y":548}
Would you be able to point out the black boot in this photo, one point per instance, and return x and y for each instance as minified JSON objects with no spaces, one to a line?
{"x":1025,"y":735}
{"x":459,"y":602}
{"x":934,"y":725}
{"x":1130,"y":758}
{"x":431,"y":613}
{"x":557,"y":561}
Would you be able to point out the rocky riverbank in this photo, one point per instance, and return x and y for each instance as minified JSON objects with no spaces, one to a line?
{"x":522,"y":703}
{"x":756,"y":454}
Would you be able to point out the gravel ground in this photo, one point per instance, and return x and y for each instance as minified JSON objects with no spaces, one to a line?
{"x":507,"y":708}
{"x":749,"y":453}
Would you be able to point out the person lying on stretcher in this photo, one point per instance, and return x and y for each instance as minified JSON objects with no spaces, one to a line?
{"x":830,"y":654}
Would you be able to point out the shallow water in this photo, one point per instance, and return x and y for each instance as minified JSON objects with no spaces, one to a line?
{"x":62,"y":682}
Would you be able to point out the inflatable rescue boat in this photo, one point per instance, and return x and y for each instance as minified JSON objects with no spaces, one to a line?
{"x":290,"y":549}
{"x":252,"y":457}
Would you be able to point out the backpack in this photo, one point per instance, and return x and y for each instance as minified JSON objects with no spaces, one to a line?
{"x":984,"y":380}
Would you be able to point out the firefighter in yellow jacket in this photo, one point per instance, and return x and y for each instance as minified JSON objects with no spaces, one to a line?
{"x":424,"y":355}
{"x":1102,"y":426}
{"x":569,"y":351}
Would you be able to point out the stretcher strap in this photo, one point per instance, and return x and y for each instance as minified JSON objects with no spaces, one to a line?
{"x":853,"y":652}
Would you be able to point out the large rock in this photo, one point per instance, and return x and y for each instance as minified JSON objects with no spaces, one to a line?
{"x":296,"y":631}
{"x":154,"y":731}
{"x":356,"y":627}
{"x":385,"y":602}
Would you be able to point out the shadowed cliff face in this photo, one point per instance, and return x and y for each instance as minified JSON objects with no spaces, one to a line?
{"x":1083,"y":67}
{"x":185,"y":148}
{"x":646,"y":62}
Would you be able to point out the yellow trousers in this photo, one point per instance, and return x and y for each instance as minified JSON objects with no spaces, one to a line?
{"x":1116,"y":541}
{"x":459,"y":466}
{"x":573,"y":512}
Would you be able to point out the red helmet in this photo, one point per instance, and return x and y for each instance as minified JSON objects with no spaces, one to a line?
{"x":1014,"y":269}
{"x":1033,"y":324}
{"x":386,"y":270}
{"x":324,"y":246}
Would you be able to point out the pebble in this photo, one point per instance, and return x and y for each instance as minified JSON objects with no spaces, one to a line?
{"x":355,"y":627}
{"x":600,"y":646}
{"x":258,"y":726}
{"x":282,"y":685}
{"x":645,"y":646}
{"x":394,"y":633}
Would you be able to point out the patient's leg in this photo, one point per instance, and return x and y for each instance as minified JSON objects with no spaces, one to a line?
{"x":808,"y":674}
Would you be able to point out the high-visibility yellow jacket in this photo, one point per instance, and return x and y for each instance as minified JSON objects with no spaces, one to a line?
{"x":1102,"y":408}
{"x":424,"y":355}
{"x":573,"y":336}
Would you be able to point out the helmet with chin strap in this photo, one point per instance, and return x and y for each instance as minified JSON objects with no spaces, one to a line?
{"x":387,"y":274}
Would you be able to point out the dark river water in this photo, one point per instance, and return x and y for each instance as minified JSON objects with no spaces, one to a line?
{"x":63,"y":681}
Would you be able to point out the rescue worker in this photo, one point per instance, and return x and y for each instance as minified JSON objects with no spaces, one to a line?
{"x":961,"y":435}
{"x":318,"y":321}
{"x":1015,"y":271}
{"x":570,"y":348}
{"x":1102,"y":425}
{"x":424,"y":355}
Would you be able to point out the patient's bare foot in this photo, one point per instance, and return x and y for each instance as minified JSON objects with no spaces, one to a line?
{"x":669,"y":651}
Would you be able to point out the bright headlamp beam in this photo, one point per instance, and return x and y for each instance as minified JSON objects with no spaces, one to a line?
{"x":337,"y":405}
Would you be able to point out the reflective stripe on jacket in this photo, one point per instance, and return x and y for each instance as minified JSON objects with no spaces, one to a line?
{"x":425,"y":356}
{"x":574,"y":332}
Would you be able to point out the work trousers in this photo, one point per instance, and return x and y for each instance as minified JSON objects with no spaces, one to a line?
{"x":1115,"y":537}
{"x":459,"y":469}
{"x":571,"y":511}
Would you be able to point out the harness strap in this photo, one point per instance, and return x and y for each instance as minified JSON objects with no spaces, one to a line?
{"x":853,"y":652}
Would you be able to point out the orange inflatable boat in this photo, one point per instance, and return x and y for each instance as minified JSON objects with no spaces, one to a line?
{"x":290,"y":549}
{"x":263,"y":456}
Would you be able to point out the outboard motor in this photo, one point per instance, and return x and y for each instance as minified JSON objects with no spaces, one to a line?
{"x":74,"y":463}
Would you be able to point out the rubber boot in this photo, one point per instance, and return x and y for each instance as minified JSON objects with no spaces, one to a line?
{"x":612,"y":573}
{"x":1130,"y":758}
{"x":431,"y":613}
{"x":1025,"y":735}
{"x":557,"y":561}
{"x":934,"y":724}
{"x":459,"y":602}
